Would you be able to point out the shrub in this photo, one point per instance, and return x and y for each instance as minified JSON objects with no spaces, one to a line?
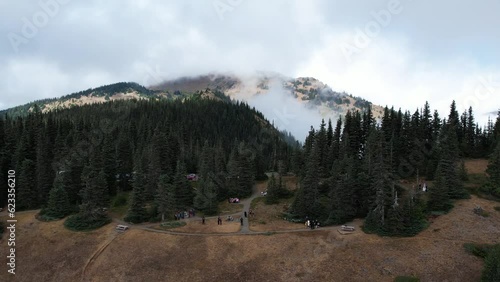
{"x":172,"y":224}
{"x":491,"y":271}
{"x":82,"y":222}
{"x":406,"y":279}
{"x":497,"y":208}
{"x":479,"y":250}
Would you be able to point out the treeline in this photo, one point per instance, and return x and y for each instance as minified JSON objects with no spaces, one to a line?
{"x":353,"y":169}
{"x":96,"y":151}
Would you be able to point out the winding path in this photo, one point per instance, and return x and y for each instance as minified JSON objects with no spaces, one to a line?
{"x":244,"y":230}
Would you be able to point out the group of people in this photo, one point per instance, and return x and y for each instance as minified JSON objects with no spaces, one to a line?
{"x":312,"y":223}
{"x":184,"y":214}
{"x":228,"y":218}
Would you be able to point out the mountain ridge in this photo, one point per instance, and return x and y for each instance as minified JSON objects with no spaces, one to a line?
{"x":307,"y":91}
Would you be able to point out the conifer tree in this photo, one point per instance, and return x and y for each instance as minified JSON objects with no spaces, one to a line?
{"x":329,"y":134}
{"x":58,"y":203}
{"x":124,"y":161}
{"x":109,"y":164}
{"x":307,"y":202}
{"x":165,"y":197}
{"x":272,"y":191}
{"x":27,"y":196}
{"x":183,"y":190}
{"x":137,"y":211}
{"x":240,"y":174}
{"x":439,"y":199}
{"x":206,"y":196}
{"x":492,"y":187}
{"x":44,"y":171}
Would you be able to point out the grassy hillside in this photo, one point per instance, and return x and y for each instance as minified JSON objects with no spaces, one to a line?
{"x":49,"y":252}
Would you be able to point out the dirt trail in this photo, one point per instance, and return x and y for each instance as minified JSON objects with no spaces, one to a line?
{"x":245,"y":229}
{"x":98,"y":252}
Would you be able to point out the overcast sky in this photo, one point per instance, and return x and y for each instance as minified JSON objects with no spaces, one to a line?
{"x":399,"y":53}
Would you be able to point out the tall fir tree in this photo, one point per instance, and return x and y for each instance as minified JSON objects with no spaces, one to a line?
{"x":27,"y":194}
{"x":272,"y":191}
{"x":44,"y":171}
{"x":58,"y":205}
{"x":306,"y":203}
{"x":184,"y":192}
{"x":137,"y":210}
{"x":165,"y":197}
{"x":206,"y":198}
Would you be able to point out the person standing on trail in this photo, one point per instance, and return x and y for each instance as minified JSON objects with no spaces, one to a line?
{"x":241,"y":220}
{"x":245,"y":213}
{"x":203,"y":220}
{"x":219,"y":221}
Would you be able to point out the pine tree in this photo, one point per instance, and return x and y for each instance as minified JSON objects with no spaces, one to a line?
{"x":470,"y":134}
{"x":137,"y":211}
{"x":329,"y":134}
{"x":493,"y":171}
{"x":109,"y":164}
{"x":449,"y":160}
{"x":272,"y":191}
{"x":183,"y":190}
{"x":322,"y":147}
{"x":73,"y":168}
{"x":27,"y":196}
{"x":382,"y":187}
{"x":240,"y":173}
{"x":207,"y":161}
{"x":335,"y":147}
{"x":165,"y":197}
{"x":58,"y":204}
{"x":439,"y":199}
{"x":94,"y":179}
{"x":44,"y":171}
{"x":342,"y":207}
{"x":307,"y":202}
{"x":124,"y":162}
{"x":206,"y":196}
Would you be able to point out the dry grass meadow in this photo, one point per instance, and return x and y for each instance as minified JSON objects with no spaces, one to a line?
{"x":49,"y":252}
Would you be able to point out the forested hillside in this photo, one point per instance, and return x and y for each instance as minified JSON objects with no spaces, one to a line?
{"x":353,"y":169}
{"x":96,"y":151}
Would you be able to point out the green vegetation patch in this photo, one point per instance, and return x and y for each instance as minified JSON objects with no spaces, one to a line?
{"x":406,"y":279}
{"x":256,"y":201}
{"x":172,"y":224}
{"x":479,"y":250}
{"x":80,"y":222}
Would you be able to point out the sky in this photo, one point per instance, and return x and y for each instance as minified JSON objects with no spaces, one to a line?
{"x":398,"y":53}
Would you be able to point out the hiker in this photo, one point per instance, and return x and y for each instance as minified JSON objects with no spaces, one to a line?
{"x":203,"y":220}
{"x":241,"y":220}
{"x":219,"y":221}
{"x":245,"y":213}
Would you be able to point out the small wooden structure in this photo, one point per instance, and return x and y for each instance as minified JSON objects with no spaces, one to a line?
{"x":121,"y":228}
